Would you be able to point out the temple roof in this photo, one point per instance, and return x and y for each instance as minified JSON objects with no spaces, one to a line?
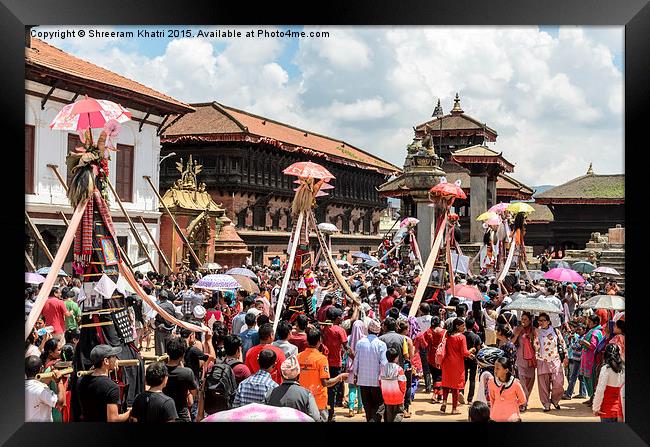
{"x":217,"y":122}
{"x":506,"y":186}
{"x":43,"y":56}
{"x":587,"y":189}
{"x":542,"y":214}
{"x":483,"y":155}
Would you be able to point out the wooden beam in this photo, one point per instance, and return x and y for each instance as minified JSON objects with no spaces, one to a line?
{"x":162,"y":129}
{"x":160,"y":252}
{"x":143,"y":120}
{"x":47,"y":96}
{"x":74,"y":98}
{"x":162,"y":123}
{"x":30,"y":262}
{"x":58,"y":175}
{"x":39,"y":238}
{"x":130,"y":222}
{"x":176,"y":227}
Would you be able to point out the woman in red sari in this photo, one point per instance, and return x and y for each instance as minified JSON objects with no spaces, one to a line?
{"x":453,"y":364}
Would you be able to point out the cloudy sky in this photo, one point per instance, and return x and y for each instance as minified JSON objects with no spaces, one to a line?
{"x":554,"y":94}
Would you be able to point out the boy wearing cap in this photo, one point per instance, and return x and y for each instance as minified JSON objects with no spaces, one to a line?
{"x":290,"y":393}
{"x":99,"y":396}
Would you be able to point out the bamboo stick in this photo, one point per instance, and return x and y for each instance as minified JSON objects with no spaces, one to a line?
{"x":49,"y":375}
{"x":54,"y":271}
{"x":285,"y":281}
{"x":160,"y":252}
{"x":58,"y":175}
{"x":30,"y":263}
{"x":428,"y":267}
{"x":39,"y":238}
{"x":101,"y":323}
{"x":154,"y":358}
{"x":176,"y":227}
{"x":130,"y":222}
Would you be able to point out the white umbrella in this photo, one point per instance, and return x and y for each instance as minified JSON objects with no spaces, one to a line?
{"x":328,"y":228}
{"x":533,"y":304}
{"x":606,"y":271}
{"x":610,"y":302}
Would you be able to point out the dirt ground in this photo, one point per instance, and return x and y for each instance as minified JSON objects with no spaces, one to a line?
{"x":422,"y":410}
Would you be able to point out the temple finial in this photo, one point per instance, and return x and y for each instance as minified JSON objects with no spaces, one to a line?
{"x":590,"y":171}
{"x":457,"y":108}
{"x":437,"y":112}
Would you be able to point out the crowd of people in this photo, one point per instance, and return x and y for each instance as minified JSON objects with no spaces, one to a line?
{"x":328,"y":350}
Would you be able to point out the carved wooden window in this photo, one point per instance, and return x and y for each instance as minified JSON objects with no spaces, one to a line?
{"x":124,"y":172}
{"x":366,"y":223}
{"x":259,"y":217}
{"x":29,"y":159}
{"x":73,"y":142}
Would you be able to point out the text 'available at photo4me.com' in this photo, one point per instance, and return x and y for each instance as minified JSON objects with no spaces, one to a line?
{"x":207,"y":33}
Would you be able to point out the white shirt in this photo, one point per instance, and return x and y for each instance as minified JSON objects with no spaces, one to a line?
{"x":607,"y":378}
{"x":33,"y":350}
{"x":555,"y":318}
{"x":39,"y":400}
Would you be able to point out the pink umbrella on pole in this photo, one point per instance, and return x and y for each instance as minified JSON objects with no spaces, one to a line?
{"x":564,"y":275}
{"x":307,"y":169}
{"x":89,"y":113}
{"x":466,"y":292}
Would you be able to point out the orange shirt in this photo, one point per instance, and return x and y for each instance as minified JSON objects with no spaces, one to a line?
{"x":313,"y":368}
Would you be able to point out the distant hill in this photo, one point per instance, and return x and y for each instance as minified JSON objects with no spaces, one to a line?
{"x":541,"y":189}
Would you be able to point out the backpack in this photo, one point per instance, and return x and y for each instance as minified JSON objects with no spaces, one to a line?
{"x":441,"y":350}
{"x":220,"y":387}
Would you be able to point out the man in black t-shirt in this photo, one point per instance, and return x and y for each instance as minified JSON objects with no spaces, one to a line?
{"x":473,"y":341}
{"x":100,"y":396}
{"x":153,"y":405}
{"x":193,"y":355}
{"x":181,"y":385}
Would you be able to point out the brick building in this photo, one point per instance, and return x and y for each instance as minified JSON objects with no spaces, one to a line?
{"x":243,"y":156}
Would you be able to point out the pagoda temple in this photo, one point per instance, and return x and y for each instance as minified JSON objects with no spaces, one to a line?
{"x":204,"y":223}
{"x":461,"y":141}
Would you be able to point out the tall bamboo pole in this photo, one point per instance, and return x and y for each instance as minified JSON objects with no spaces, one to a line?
{"x":178,"y":229}
{"x":30,"y":263}
{"x":133,"y":229}
{"x":160,"y":252}
{"x":295,"y":241}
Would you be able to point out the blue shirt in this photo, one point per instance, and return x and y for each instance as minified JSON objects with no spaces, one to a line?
{"x":369,"y":356}
{"x":249,"y":338}
{"x":254,"y":389}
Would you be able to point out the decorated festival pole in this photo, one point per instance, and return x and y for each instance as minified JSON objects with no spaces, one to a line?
{"x":442,"y":195}
{"x":285,"y":281}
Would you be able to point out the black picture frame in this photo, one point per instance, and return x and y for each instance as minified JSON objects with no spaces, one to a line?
{"x":437,"y":278}
{"x":633,"y":14}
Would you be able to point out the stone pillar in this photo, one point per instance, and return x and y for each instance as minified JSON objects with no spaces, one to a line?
{"x":492,"y":192}
{"x":425,"y":229}
{"x":477,"y":202}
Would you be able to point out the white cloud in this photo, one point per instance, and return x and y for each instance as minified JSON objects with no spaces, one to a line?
{"x":556,"y":102}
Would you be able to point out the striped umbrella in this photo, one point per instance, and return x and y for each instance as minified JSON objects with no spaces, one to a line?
{"x":242,"y":272}
{"x":217,"y":282}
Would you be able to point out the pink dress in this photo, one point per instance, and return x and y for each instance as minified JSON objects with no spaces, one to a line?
{"x":505,"y":405}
